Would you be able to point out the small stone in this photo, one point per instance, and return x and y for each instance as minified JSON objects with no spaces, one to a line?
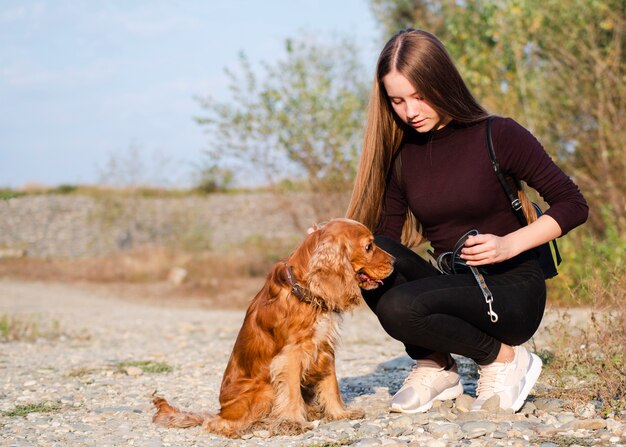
{"x":339,"y":426}
{"x":491,"y":405}
{"x":549,"y":405}
{"x":420,"y":418}
{"x":464,"y":403}
{"x":564,"y":418}
{"x":151,"y":443}
{"x":30,"y":383}
{"x":445,"y":431}
{"x":604,"y":435}
{"x":591,"y":424}
{"x":548,"y":444}
{"x":528,"y":408}
{"x":446,"y":404}
{"x":369,"y":429}
{"x":547,"y":430}
{"x":570,"y":426}
{"x":450,"y":417}
{"x":437,"y":443}
{"x":615,"y":426}
{"x":472,"y":416}
{"x":401,"y":422}
{"x":133,"y":371}
{"x":586,"y":411}
{"x":478,"y":428}
{"x":368,"y":442}
{"x":392,"y":443}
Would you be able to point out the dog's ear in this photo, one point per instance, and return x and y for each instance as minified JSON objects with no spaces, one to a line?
{"x":331,"y":275}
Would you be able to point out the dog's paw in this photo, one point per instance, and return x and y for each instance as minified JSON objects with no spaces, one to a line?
{"x":314,"y":412}
{"x":290,"y":427}
{"x":346,"y":414}
{"x":223,"y":427}
{"x":356,"y":414}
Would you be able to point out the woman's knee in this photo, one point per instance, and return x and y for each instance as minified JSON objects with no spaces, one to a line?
{"x":396,"y":312}
{"x":409,"y":265}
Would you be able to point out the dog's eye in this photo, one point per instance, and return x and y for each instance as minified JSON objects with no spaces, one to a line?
{"x":369,"y":247}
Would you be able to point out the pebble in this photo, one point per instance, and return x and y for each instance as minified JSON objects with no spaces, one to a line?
{"x":133,"y":371}
{"x":586,"y":411}
{"x":491,"y":405}
{"x":464,"y":403}
{"x":100,"y":407}
{"x":549,"y":404}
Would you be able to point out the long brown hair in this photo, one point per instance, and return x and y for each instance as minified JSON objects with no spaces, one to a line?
{"x":422,"y":59}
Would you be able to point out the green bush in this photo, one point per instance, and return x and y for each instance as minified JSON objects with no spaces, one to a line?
{"x":587,"y":260}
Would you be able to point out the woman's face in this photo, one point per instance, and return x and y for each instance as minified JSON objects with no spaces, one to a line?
{"x":410,"y":105}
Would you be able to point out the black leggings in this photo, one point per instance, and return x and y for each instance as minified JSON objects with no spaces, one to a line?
{"x":431,"y":312}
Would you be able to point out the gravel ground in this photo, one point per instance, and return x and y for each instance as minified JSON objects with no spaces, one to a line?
{"x":94,"y":399}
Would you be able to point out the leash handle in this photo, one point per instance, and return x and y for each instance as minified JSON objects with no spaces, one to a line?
{"x":450,"y":261}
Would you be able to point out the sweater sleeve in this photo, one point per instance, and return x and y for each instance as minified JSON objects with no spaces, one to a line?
{"x":522,"y":156}
{"x":394,"y":208}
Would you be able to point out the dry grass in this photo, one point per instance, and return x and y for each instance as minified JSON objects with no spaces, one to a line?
{"x":41,"y":407}
{"x":27,"y":328}
{"x":589,"y":364}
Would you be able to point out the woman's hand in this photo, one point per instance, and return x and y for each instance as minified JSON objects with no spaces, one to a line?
{"x":487,"y":249}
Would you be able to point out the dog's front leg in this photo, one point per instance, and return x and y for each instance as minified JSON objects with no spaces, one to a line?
{"x":289,"y":411}
{"x":329,"y":395}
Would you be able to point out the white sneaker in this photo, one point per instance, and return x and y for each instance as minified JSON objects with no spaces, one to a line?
{"x":511,"y":381}
{"x":426,"y":383}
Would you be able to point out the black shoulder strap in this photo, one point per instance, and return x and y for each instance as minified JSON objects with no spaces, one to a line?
{"x":516,"y":204}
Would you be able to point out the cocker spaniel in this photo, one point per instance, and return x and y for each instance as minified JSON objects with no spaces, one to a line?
{"x":281,"y":373}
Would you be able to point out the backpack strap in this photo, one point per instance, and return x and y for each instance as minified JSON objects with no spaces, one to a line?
{"x":514,"y":200}
{"x":516,"y":204}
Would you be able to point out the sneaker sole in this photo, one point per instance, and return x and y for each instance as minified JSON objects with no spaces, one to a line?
{"x":447,"y":394}
{"x":531,"y":378}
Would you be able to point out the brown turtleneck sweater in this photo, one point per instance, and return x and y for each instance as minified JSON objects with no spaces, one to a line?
{"x":450,"y":186}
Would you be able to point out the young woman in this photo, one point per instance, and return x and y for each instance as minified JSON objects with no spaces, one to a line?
{"x":421,"y":111}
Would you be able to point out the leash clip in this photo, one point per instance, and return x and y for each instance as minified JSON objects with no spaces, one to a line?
{"x":492,"y":315}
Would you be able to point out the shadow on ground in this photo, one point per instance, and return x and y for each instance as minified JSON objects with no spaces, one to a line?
{"x":391,"y":374}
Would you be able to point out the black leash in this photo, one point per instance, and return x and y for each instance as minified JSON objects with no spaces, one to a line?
{"x":451,"y":263}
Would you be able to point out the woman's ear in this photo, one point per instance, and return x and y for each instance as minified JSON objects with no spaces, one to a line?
{"x":331,"y":275}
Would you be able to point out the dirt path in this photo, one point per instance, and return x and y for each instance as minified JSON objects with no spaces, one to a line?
{"x":95,"y":399}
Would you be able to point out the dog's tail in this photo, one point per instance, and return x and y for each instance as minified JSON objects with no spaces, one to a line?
{"x":172,"y":417}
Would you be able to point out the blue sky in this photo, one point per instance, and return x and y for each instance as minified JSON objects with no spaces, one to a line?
{"x":85,"y":82}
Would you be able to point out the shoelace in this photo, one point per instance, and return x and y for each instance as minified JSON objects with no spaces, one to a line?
{"x":420,"y":372}
{"x":490,"y":378}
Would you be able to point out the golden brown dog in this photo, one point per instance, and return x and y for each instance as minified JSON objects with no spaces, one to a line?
{"x":281,"y":373}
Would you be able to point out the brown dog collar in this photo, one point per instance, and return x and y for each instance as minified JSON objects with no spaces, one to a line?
{"x":303,"y":294}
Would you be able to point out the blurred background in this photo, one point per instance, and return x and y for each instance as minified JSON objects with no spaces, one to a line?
{"x":176,"y":150}
{"x":229,"y":127}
